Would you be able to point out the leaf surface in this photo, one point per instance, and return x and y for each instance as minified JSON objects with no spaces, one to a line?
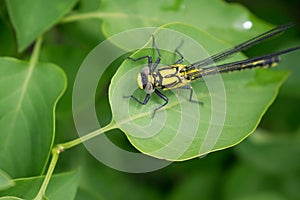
{"x":28,"y":95}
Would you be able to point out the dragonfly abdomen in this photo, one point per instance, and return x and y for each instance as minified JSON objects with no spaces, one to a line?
{"x":264,"y":63}
{"x":258,"y":62}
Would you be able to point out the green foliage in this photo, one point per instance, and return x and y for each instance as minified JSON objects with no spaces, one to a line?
{"x":266,"y":166}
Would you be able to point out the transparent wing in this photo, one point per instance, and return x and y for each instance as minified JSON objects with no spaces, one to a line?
{"x":243,"y":46}
{"x":268,"y":60}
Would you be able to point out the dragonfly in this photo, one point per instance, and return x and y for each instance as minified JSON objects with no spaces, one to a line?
{"x":153,"y":79}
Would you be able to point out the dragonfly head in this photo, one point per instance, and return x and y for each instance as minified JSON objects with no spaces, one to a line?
{"x":143,"y":80}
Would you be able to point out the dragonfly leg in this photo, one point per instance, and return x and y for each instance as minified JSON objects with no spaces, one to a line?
{"x":157,"y":61}
{"x":151,"y":66}
{"x":188,"y":87}
{"x":141,"y":58}
{"x":147,"y":97}
{"x":181,"y":59}
{"x":164,"y":98}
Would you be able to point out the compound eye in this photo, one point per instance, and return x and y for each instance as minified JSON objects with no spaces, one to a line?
{"x":145,"y":70}
{"x":144,"y":79}
{"x":148,"y":88}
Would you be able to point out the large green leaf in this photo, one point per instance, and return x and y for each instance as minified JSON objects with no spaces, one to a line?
{"x":31,"y":18}
{"x":28,"y":95}
{"x":184,"y":130}
{"x":219,"y":18}
{"x":62,"y":186}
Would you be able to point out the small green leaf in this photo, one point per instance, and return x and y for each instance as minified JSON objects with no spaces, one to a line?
{"x":5,"y":181}
{"x":62,"y":186}
{"x":233,"y":104}
{"x":28,"y":95}
{"x":33,"y":17}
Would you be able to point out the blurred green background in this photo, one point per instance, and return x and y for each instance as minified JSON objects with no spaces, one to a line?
{"x":264,"y":166}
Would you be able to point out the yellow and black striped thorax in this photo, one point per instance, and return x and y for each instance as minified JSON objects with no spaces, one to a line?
{"x":165,"y":77}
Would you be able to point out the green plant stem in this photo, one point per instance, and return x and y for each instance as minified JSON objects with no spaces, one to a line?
{"x":36,"y":52}
{"x":59,"y":148}
{"x":88,"y":136}
{"x":55,"y":154}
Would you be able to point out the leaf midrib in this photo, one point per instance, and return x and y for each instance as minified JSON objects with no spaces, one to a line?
{"x":20,"y":102}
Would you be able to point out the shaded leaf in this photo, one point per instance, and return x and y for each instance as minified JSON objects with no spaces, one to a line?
{"x":7,"y":41}
{"x":33,"y":17}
